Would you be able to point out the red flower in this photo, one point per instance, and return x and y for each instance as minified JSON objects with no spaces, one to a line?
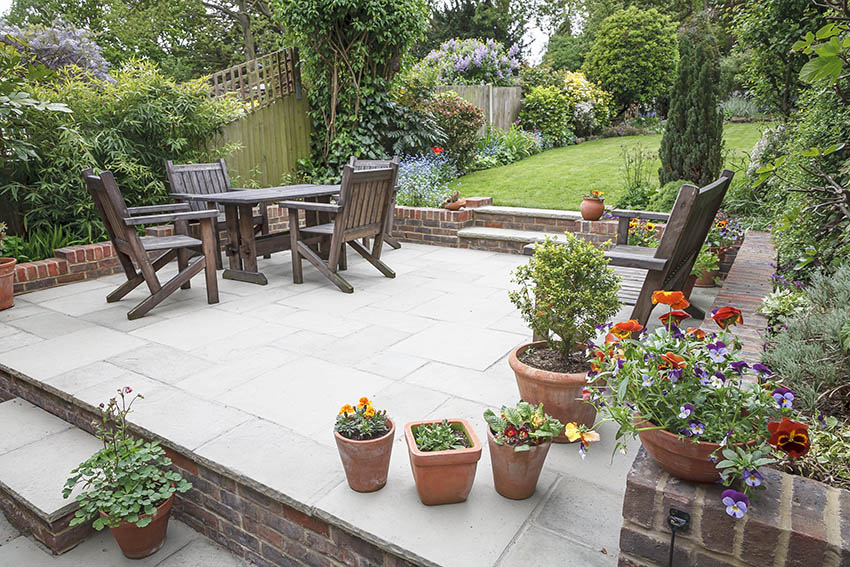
{"x":673,"y":360}
{"x":677,"y":316}
{"x":698,"y":333}
{"x":789,"y":436}
{"x":625,"y":329}
{"x":510,"y":431}
{"x":675,"y":299}
{"x":437,"y":150}
{"x":726,"y":316}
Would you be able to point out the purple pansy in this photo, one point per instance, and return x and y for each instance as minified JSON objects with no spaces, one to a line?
{"x":752,"y":477}
{"x":718,"y":351}
{"x":726,"y":437}
{"x":739,"y":366}
{"x":675,"y":374}
{"x":784,"y":397}
{"x":686,"y":411}
{"x":696,"y":427}
{"x":647,"y":380}
{"x":761,"y":369}
{"x":736,"y":503}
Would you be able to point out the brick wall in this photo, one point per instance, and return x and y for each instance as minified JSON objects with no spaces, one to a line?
{"x":430,"y":226}
{"x":228,"y":508}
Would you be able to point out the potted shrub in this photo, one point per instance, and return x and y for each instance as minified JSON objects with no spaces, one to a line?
{"x":364,"y":438}
{"x":593,"y":205}
{"x":7,"y":274}
{"x":564,"y":291}
{"x":700,"y":411}
{"x":127,"y":486}
{"x":443,"y":455}
{"x":706,"y":268}
{"x":519,"y":439}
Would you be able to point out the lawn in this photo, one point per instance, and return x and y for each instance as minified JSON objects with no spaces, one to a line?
{"x":556,"y":179}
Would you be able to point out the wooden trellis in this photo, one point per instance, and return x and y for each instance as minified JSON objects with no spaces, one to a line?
{"x":261,"y":81}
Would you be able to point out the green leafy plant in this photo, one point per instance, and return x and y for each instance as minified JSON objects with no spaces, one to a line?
{"x":501,"y":147}
{"x":460,"y":120}
{"x":441,"y":436}
{"x":706,"y":261}
{"x":564,"y":291}
{"x":361,"y":422}
{"x":40,"y":243}
{"x":3,"y":236}
{"x":548,"y":110}
{"x":782,"y":303}
{"x":664,"y":199}
{"x":739,"y":106}
{"x":636,"y":173}
{"x":126,"y":480}
{"x":523,"y":426}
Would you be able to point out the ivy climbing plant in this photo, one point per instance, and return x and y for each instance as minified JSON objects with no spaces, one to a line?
{"x":350,"y":50}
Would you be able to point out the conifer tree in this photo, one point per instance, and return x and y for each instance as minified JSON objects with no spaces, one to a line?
{"x":692,"y":145}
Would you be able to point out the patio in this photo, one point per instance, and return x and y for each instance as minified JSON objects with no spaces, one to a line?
{"x":252,"y":386}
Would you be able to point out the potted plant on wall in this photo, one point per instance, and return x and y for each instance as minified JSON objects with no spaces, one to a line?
{"x":564,"y":291}
{"x":593,"y":205}
{"x":700,"y":411}
{"x":127,"y":486}
{"x":519,"y":439}
{"x":7,"y":274}
{"x":364,"y":438}
{"x":705,"y":270}
{"x":443,"y":455}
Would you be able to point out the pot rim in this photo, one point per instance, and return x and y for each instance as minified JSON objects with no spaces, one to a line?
{"x":156,"y":514}
{"x":594,"y":199}
{"x":470,"y":434}
{"x":540,"y":374}
{"x":706,"y":444}
{"x":364,"y":442}
{"x":491,"y":436}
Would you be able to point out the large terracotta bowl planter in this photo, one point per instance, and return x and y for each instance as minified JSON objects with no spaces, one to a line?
{"x":443,"y":477}
{"x":592,"y":209}
{"x":682,"y":458}
{"x":7,"y":282}
{"x":515,"y":474}
{"x":136,"y":542}
{"x":560,"y":393}
{"x":366,"y":462}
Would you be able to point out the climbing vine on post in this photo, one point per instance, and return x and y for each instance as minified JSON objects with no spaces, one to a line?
{"x":350,"y":51}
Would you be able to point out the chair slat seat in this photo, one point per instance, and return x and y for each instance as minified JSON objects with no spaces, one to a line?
{"x":166,"y":242}
{"x":327,"y":228}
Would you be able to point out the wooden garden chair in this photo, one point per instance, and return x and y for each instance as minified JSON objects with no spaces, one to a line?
{"x":669,"y":265}
{"x":203,"y":179}
{"x":132,"y":250}
{"x":361,"y":212}
{"x":359,"y":164}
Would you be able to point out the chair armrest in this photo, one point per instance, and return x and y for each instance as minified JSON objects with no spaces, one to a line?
{"x":168,"y":207}
{"x":630,"y":214}
{"x":310,"y":206}
{"x":173,"y":217}
{"x":631,"y":260}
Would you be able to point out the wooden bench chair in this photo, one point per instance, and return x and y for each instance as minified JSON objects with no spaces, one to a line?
{"x":360,"y":164}
{"x":205,"y":178}
{"x":132,"y":249}
{"x":669,"y":265}
{"x":361,"y":212}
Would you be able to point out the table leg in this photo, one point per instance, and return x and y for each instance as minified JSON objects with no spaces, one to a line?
{"x":246,"y":250}
{"x":231,"y":221}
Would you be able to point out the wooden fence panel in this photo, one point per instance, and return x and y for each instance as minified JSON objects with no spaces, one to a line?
{"x":500,"y":104}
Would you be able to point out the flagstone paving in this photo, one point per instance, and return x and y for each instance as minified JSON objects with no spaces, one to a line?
{"x":254,"y":383}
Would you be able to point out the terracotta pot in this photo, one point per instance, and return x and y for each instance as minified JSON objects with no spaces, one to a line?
{"x":7,"y":282}
{"x":136,"y":542}
{"x":443,"y":477}
{"x":689,"y":286}
{"x":707,"y":279}
{"x":560,"y":393}
{"x":366,"y":462}
{"x":455,"y":205}
{"x":515,"y":474}
{"x":592,"y":209}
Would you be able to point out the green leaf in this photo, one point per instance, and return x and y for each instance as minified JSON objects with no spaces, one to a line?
{"x":819,"y":68}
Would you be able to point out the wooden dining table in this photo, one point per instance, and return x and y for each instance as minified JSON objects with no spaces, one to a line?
{"x":244,"y":244}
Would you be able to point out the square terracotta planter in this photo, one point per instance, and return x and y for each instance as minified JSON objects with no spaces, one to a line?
{"x":443,"y":477}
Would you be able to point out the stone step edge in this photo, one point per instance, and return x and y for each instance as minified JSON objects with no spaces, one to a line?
{"x":529,"y":212}
{"x":507,"y":234}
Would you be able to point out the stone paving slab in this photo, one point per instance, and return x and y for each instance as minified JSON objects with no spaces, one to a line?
{"x":23,"y":423}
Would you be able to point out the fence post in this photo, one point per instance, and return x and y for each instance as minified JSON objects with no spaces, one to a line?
{"x":490,"y":104}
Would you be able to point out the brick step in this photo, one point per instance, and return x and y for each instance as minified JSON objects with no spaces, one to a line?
{"x":37,"y":453}
{"x":505,"y":239}
{"x":524,"y":218}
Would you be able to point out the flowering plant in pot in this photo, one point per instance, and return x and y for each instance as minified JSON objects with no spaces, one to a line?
{"x":706,"y":267}
{"x":7,"y":274}
{"x":593,"y":205}
{"x":364,"y":438}
{"x":700,"y":411}
{"x":127,"y":485}
{"x":443,"y":455}
{"x":519,"y":439}
{"x":563,"y":292}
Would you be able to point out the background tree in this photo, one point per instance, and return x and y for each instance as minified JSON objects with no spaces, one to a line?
{"x":634,"y":56}
{"x":693,"y":139}
{"x":565,"y":51}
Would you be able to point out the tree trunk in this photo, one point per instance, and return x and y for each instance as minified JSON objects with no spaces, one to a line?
{"x":247,"y":33}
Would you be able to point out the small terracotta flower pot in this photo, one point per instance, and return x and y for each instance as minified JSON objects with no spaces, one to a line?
{"x":560,"y":393}
{"x":7,"y":282}
{"x":136,"y":542}
{"x":515,"y":474}
{"x":443,"y":477}
{"x":366,"y":462}
{"x":707,"y":279}
{"x":592,"y":209}
{"x":455,"y":205}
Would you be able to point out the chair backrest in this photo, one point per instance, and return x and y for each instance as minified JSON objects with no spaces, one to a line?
{"x":689,"y":224}
{"x":365,"y":196}
{"x":199,"y":179}
{"x":112,"y":210}
{"x":362,"y":164}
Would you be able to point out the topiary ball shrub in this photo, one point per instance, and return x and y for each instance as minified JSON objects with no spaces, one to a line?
{"x":548,"y":110}
{"x":664,"y":199}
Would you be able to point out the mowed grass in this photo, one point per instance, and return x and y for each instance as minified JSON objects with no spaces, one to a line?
{"x":557,"y":179}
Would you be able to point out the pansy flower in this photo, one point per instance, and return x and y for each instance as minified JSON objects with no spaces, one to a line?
{"x":675,"y":299}
{"x":761,"y":369}
{"x":784,"y":397}
{"x":585,"y":394}
{"x":686,"y":411}
{"x":739,"y":366}
{"x":736,"y":503}
{"x":752,"y":478}
{"x":346,"y":409}
{"x":725,"y":316}
{"x":698,"y":333}
{"x":718,"y":351}
{"x":647,"y":380}
{"x":676,"y":316}
{"x":789,"y":436}
{"x":696,"y":427}
{"x":673,"y":360}
{"x":717,"y":380}
{"x":726,"y":437}
{"x":625,"y":329}
{"x":674,"y":375}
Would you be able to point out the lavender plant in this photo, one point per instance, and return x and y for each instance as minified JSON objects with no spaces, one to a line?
{"x":57,"y":47}
{"x":472,"y":62}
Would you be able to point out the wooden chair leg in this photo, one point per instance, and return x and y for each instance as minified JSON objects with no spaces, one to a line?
{"x":182,"y":263}
{"x":297,"y":272}
{"x":643,"y":307}
{"x":264,"y":226}
{"x":218,"y":253}
{"x":170,"y":287}
{"x":320,"y":265}
{"x":392,"y":241}
{"x":208,"y":246}
{"x":134,"y":282}
{"x":383,"y":268}
{"x":343,"y":258}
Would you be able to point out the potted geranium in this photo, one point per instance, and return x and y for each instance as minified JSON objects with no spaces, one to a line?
{"x":364,"y":438}
{"x":443,"y":456}
{"x":593,"y":205}
{"x":519,"y":438}
{"x":564,"y":291}
{"x":128,"y":485}
{"x":700,"y":411}
{"x":7,"y":274}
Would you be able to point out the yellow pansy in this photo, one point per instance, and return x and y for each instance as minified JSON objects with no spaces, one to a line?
{"x":572,"y":432}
